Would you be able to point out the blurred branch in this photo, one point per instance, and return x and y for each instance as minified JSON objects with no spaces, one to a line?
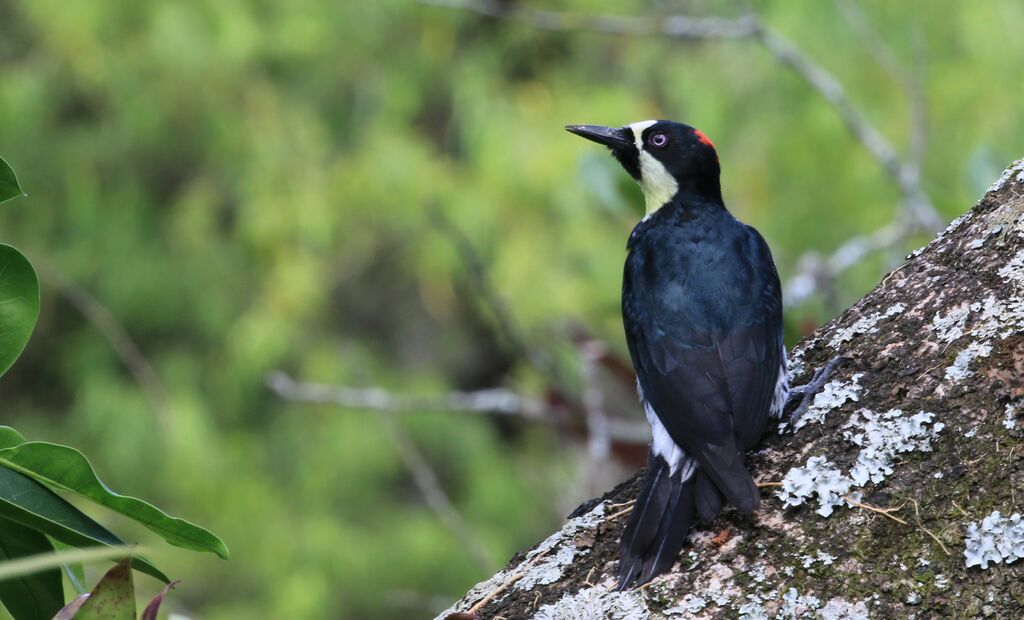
{"x":419,"y":468}
{"x":817,"y":273}
{"x":111,"y":329}
{"x":675,"y":26}
{"x":504,"y":320}
{"x":915,"y":201}
{"x":599,"y":440}
{"x":493,"y":401}
{"x":918,"y":214}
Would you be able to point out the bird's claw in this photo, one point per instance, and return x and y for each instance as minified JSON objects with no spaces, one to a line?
{"x":804,"y":394}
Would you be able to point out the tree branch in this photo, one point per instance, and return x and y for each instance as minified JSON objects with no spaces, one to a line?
{"x":675,"y":26}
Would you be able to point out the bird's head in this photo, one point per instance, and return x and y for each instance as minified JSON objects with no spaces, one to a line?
{"x":667,"y":158}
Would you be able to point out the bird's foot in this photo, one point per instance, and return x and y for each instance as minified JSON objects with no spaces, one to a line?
{"x":801,"y":397}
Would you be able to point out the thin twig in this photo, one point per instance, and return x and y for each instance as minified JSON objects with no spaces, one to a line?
{"x":124,"y":346}
{"x":917,"y":515}
{"x":885,"y":512}
{"x":629,"y":503}
{"x":618,"y":514}
{"x":508,"y":582}
{"x":962,"y":511}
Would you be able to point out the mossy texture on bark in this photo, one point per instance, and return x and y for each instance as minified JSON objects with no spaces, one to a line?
{"x":924,"y":420}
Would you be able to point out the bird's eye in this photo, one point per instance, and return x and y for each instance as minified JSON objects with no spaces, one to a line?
{"x":659,"y":140}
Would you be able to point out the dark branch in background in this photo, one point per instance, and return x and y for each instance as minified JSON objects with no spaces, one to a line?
{"x":112,"y":330}
{"x":504,"y":321}
{"x":675,"y":26}
{"x":419,"y":468}
{"x":917,"y":214}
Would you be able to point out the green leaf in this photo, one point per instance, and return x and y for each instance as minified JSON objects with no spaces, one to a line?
{"x":113,"y":598}
{"x":9,"y":437}
{"x":66,"y":468}
{"x":19,"y":304}
{"x":9,"y":187}
{"x":36,"y":596}
{"x":25,"y":501}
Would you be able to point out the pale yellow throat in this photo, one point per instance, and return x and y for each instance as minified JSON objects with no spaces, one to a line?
{"x":656,"y":182}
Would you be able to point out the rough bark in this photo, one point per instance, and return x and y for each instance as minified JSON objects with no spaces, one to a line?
{"x":943,"y":335}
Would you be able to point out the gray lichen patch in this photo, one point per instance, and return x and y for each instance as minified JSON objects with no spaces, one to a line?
{"x":864,"y":325}
{"x":995,"y":540}
{"x":881,"y":437}
{"x":596,"y":603}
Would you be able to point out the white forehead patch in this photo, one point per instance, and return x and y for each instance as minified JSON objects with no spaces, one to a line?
{"x":656,"y":182}
{"x":638,"y":132}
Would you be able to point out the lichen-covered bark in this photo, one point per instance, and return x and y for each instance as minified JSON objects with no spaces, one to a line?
{"x":925,"y":420}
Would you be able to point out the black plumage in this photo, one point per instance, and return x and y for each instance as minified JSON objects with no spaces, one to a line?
{"x":702,"y":310}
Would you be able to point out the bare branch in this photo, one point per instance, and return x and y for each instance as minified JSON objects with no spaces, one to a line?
{"x":497,"y":400}
{"x":907,"y":179}
{"x":115,"y":334}
{"x":675,"y":26}
{"x":493,"y":401}
{"x":817,"y":273}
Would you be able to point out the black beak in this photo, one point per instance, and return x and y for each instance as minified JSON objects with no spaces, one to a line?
{"x":616,"y":139}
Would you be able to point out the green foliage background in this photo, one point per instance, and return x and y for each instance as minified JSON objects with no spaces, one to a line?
{"x":245,"y":186}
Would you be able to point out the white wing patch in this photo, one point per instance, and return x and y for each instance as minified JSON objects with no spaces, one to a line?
{"x":662,"y":444}
{"x":657,"y":183}
{"x":781,"y":388}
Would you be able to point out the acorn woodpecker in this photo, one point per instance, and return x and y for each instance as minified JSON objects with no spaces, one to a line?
{"x":702,"y":310}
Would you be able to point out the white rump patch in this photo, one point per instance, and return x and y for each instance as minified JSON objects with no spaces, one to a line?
{"x":656,"y":182}
{"x":662,"y":444}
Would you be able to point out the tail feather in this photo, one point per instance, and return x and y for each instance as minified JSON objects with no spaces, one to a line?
{"x":725,"y":467}
{"x":661,"y":519}
{"x":709,"y":498}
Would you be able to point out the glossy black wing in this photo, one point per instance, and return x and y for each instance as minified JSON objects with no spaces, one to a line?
{"x":708,"y":360}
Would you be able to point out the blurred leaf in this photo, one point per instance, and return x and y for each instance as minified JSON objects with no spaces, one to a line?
{"x":66,"y":468}
{"x":25,"y":501}
{"x":113,"y":598}
{"x":69,"y":610}
{"x":30,"y":596}
{"x":151,"y":610}
{"x":54,"y":559}
{"x":9,"y":187}
{"x":19,"y":304}
{"x":10,"y":437}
